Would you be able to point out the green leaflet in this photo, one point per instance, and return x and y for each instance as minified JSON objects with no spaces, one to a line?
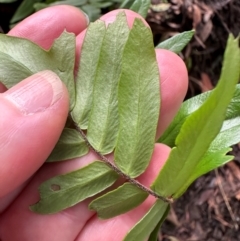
{"x":234,"y":107}
{"x":146,"y":225}
{"x":127,"y":4}
{"x":202,"y":127}
{"x":7,"y":1}
{"x":216,"y":154}
{"x":89,"y":59}
{"x":154,"y":235}
{"x":139,"y":102}
{"x":40,"y":6}
{"x":18,"y":71}
{"x":24,"y":10}
{"x":104,"y":120}
{"x":93,"y":12}
{"x":66,"y":190}
{"x":118,"y":201}
{"x":141,"y":7}
{"x":189,"y":106}
{"x":60,"y":59}
{"x":209,"y":162}
{"x":70,"y":145}
{"x":101,"y":3}
{"x":178,"y":42}
{"x":229,"y":135}
{"x":76,"y":3}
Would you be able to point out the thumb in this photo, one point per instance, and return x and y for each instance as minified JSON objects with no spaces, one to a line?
{"x":32,"y":116}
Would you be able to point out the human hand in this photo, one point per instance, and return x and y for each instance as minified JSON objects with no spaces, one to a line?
{"x":31,"y":123}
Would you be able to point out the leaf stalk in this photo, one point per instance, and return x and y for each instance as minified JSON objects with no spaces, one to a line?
{"x":119,"y":172}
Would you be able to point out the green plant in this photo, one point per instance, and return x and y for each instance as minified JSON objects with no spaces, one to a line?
{"x":93,"y":8}
{"x":177,"y":43}
{"x":115,"y":107}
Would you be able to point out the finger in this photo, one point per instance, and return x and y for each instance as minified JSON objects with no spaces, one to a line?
{"x":111,"y":17}
{"x":64,"y":225}
{"x":173,"y":86}
{"x":46,"y":25}
{"x":126,"y":221}
{"x":2,"y":88}
{"x":33,"y":114}
{"x":67,"y":224}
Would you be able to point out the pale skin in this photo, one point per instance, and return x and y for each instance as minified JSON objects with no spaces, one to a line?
{"x":31,"y":123}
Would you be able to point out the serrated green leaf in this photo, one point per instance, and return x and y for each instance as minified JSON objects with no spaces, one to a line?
{"x":88,"y":64}
{"x":139,"y":102}
{"x":118,"y":201}
{"x":66,"y":190}
{"x":229,"y":135}
{"x":216,"y":154}
{"x":70,"y":145}
{"x":189,"y":106}
{"x":202,"y":126}
{"x":154,"y":235}
{"x":103,"y":119}
{"x":141,"y":7}
{"x":209,"y":162}
{"x":146,"y":225}
{"x":24,"y":10}
{"x":60,"y":59}
{"x":178,"y":42}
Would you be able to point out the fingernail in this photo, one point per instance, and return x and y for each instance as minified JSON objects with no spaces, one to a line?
{"x":36,"y":93}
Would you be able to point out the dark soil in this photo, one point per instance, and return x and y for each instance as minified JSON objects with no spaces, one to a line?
{"x":6,"y":12}
{"x":213,"y":21}
{"x":210,"y":209}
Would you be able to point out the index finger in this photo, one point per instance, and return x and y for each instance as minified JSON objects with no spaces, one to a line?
{"x":47,"y":24}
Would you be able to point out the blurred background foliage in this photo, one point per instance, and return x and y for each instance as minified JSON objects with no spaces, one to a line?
{"x":91,"y":7}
